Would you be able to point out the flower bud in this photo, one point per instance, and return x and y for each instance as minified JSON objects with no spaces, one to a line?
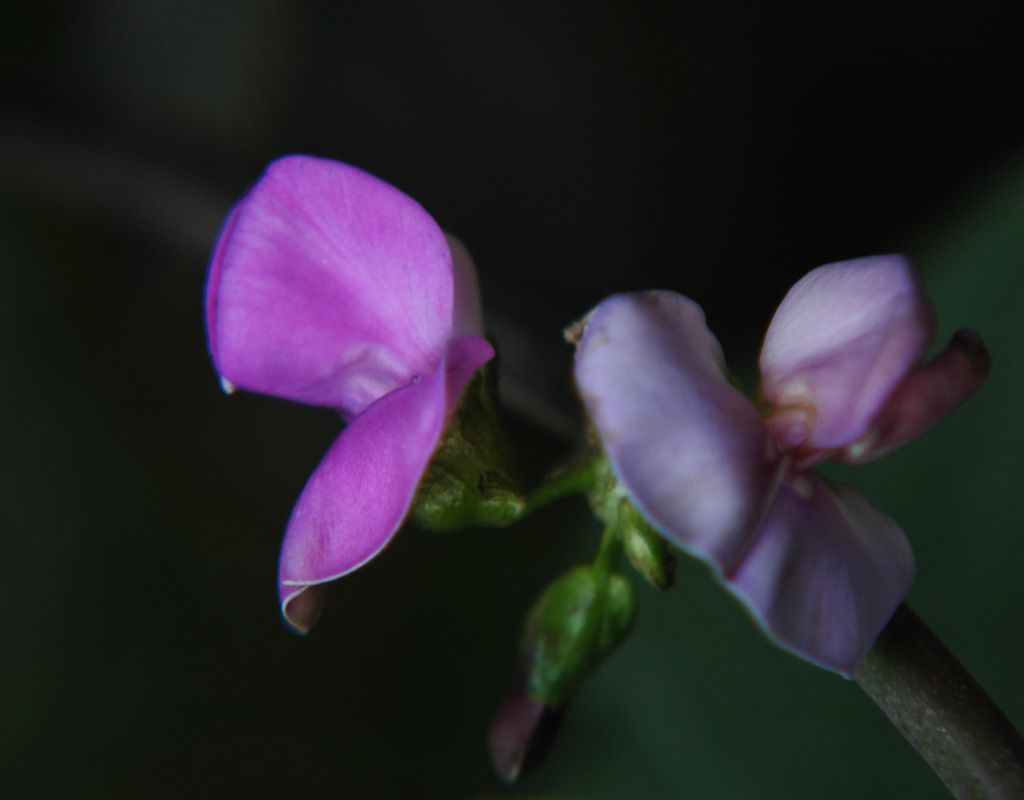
{"x":523,"y":730}
{"x":645,"y":548}
{"x":576,"y":623}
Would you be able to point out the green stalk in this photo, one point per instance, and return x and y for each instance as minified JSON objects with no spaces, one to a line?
{"x":942,"y":711}
{"x":606,"y":562}
{"x":565,"y":482}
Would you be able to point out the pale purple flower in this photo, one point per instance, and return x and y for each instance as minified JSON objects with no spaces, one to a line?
{"x":330,"y":287}
{"x":818,"y":566}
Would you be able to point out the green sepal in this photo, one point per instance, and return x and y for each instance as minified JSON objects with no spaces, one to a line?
{"x":578,"y":621}
{"x":645,"y":548}
{"x":471,"y":479}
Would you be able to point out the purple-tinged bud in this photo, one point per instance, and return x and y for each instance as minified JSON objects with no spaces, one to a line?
{"x":523,"y":730}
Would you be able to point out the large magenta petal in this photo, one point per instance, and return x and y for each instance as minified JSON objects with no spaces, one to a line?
{"x":360,"y":494}
{"x":841,"y":341}
{"x":689,"y":448}
{"x":328,"y":286}
{"x":825,"y":572}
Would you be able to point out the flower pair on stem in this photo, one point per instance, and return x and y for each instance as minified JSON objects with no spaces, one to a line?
{"x":329,"y":287}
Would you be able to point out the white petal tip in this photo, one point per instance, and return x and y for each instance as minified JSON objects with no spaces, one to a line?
{"x":227,"y":386}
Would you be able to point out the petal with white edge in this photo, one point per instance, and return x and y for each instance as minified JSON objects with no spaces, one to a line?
{"x":327,"y":286}
{"x":825,"y":572}
{"x":361,"y":492}
{"x":689,"y":448}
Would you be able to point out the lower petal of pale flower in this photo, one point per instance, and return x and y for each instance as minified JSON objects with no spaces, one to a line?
{"x":825,"y":572}
{"x":925,"y":397}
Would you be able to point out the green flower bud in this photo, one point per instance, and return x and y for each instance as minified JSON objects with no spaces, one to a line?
{"x":645,"y":548}
{"x":578,"y":621}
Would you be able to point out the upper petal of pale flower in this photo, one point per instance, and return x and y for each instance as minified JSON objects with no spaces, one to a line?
{"x":327,"y":286}
{"x":689,"y":448}
{"x":841,"y":341}
{"x":361,"y":492}
{"x":825,"y":572}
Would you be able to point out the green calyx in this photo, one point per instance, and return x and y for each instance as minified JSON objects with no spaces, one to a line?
{"x":578,"y":621}
{"x":471,"y":479}
{"x":645,"y":548}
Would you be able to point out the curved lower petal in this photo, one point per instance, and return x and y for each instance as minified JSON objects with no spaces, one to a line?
{"x":926,"y":396}
{"x":687,"y":446}
{"x":841,"y":341}
{"x":825,"y":572}
{"x":327,"y":286}
{"x":361,"y":492}
{"x":463,"y":356}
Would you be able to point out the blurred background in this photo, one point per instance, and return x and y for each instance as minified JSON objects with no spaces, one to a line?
{"x":578,"y":149}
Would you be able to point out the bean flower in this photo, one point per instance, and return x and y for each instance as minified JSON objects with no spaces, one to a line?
{"x":817,"y":566}
{"x":329,"y":287}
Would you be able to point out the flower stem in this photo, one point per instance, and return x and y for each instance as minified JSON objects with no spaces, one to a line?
{"x":574,"y":480}
{"x":942,"y":711}
{"x":607,"y":559}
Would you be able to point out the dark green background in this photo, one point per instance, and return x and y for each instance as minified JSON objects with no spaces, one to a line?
{"x":578,"y":149}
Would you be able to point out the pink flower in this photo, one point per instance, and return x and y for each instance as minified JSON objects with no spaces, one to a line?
{"x":816,"y":564}
{"x":327,"y":286}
